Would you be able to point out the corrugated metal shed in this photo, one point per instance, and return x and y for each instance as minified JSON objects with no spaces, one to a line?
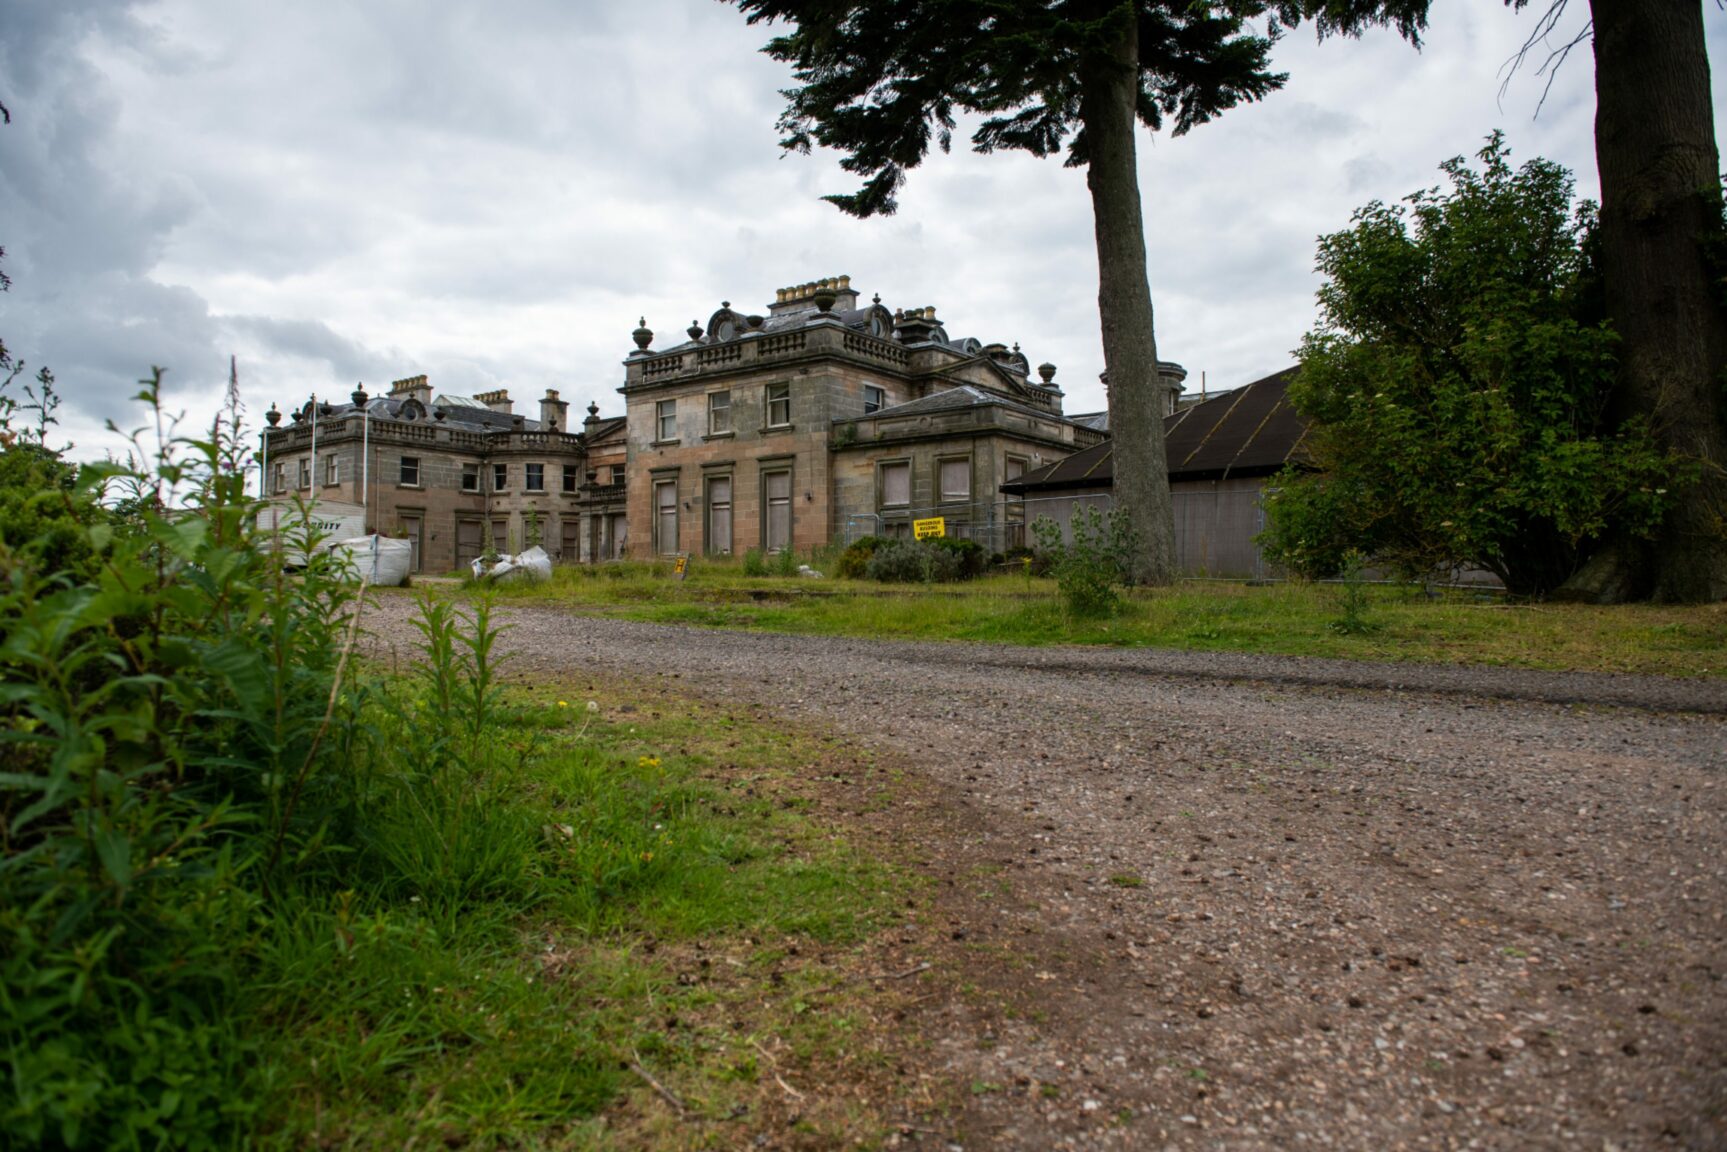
{"x":1251,"y":431}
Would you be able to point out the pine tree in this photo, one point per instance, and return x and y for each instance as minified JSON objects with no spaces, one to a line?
{"x":881,"y":80}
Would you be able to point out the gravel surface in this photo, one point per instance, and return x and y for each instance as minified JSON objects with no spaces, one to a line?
{"x":1241,"y":902}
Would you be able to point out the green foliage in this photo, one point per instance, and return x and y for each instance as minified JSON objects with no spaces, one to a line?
{"x":1091,"y":562}
{"x":785,"y":562}
{"x":163,"y":715}
{"x":881,"y":81}
{"x":913,"y":562}
{"x":854,"y":561}
{"x":1458,"y":389}
{"x":755,"y":563}
{"x":969,"y":553}
{"x":1353,"y":599}
{"x":238,"y":872}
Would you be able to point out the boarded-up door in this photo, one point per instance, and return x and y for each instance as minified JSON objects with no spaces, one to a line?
{"x":571,"y":547}
{"x":469,"y":534}
{"x":412,"y":526}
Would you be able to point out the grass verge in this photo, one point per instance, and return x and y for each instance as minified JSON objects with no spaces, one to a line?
{"x":686,"y":951}
{"x":1398,"y":623}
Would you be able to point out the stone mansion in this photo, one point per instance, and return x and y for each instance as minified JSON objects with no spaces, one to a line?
{"x":822,"y":420}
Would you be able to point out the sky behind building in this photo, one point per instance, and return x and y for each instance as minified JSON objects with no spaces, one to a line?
{"x":492,"y":195}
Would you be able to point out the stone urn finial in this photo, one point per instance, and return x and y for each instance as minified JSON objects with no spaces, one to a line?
{"x":694,"y":331}
{"x":825,"y":297}
{"x":1047,"y":371}
{"x":359,"y":396}
{"x":273,"y":416}
{"x":643,"y":335}
{"x":593,"y":410}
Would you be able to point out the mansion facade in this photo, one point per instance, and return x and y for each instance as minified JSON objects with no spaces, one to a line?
{"x":820,"y":420}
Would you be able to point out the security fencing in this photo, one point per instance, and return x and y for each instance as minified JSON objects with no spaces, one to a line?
{"x":1214,"y":528}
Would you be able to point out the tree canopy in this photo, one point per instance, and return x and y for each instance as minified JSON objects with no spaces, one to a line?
{"x":1459,"y":386}
{"x":881,"y":81}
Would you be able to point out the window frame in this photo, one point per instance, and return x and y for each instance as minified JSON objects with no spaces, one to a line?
{"x":883,"y":467}
{"x":533,"y":476}
{"x":943,"y":496}
{"x":710,"y":537}
{"x":572,"y":480}
{"x":769,"y":475}
{"x":304,"y":474}
{"x":660,"y":511}
{"x":666,"y":420}
{"x":332,"y":469}
{"x":407,"y":465}
{"x":470,"y":471}
{"x":720,"y":412}
{"x":784,"y":396}
{"x":500,"y":476}
{"x":875,"y":399}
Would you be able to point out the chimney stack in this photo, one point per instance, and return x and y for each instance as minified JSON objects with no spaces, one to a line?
{"x":552,"y":412}
{"x":412,"y":388}
{"x":497,"y":401}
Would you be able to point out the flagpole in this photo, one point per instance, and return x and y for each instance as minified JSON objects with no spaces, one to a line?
{"x":366,"y":461}
{"x":312,"y":468}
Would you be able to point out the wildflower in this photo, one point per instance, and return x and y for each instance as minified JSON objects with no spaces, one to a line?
{"x":649,"y":762}
{"x":647,"y":857}
{"x":593,"y":705}
{"x":563,"y":703}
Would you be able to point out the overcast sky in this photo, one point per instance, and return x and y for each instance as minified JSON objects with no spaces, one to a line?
{"x":491,"y":194}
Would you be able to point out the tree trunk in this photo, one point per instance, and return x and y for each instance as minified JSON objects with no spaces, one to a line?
{"x":1109,"y":87}
{"x":1660,"y":185}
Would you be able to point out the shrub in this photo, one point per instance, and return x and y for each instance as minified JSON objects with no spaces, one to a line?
{"x":786,"y":562}
{"x":755,"y":564}
{"x":174,"y":732}
{"x":1092,"y":561}
{"x":970,"y":554}
{"x":914,"y":561}
{"x":855,"y":559}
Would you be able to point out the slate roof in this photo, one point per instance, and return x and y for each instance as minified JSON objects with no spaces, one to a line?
{"x":953,"y":400}
{"x":1251,"y":431}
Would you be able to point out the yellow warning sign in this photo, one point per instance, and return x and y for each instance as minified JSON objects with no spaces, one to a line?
{"x":681,"y":567}
{"x":929,"y":529}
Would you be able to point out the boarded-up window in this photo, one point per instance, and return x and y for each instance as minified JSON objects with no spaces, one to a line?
{"x":777,"y":496}
{"x":720,"y":515}
{"x":666,"y":517}
{"x":896,"y":484}
{"x":956,"y":479}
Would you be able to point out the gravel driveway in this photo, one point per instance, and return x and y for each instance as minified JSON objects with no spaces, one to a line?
{"x":1244,"y":902}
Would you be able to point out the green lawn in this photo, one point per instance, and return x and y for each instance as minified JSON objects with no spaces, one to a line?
{"x":1403,"y":623}
{"x":679,"y":916}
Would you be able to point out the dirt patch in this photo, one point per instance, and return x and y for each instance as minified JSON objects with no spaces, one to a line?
{"x":1241,"y":905}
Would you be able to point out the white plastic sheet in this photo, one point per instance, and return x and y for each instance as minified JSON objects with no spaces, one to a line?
{"x":533,"y":565}
{"x":376,"y":559}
